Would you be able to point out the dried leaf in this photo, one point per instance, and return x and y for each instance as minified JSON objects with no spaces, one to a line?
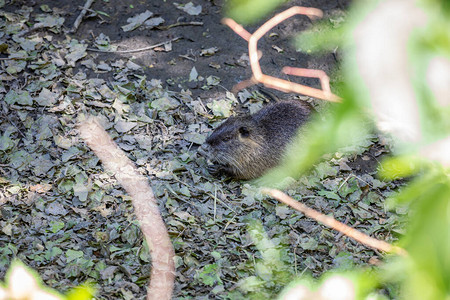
{"x":73,"y":255}
{"x":55,"y":208}
{"x":209,"y":51}
{"x":46,"y":98}
{"x":193,"y":75}
{"x":153,"y":22}
{"x":189,"y":8}
{"x":123,"y":126}
{"x":165,"y":103}
{"x":221,"y":108}
{"x":49,"y":21}
{"x":136,"y":21}
{"x":77,"y":51}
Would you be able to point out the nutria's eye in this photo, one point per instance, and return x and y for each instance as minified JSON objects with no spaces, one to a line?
{"x":227,"y":138}
{"x":244,"y":131}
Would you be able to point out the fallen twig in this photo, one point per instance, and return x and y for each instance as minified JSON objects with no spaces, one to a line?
{"x":180,"y":24}
{"x":135,"y":50}
{"x":80,"y":17}
{"x":274,"y":82}
{"x":336,"y":225}
{"x":115,"y":161}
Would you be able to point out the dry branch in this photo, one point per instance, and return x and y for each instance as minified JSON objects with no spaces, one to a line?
{"x":135,"y":50}
{"x":114,"y":160}
{"x":180,"y":24}
{"x":274,"y":82}
{"x":331,"y":222}
{"x":80,"y":17}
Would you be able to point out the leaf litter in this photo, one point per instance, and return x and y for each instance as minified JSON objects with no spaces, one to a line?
{"x":56,"y":196}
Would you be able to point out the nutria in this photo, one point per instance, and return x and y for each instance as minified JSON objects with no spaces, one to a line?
{"x":245,"y":147}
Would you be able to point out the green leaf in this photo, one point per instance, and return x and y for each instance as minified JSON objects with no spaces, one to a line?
{"x":6,"y":143}
{"x":49,"y":21}
{"x":56,"y":226}
{"x":329,"y":195}
{"x":16,"y":66}
{"x":194,"y":137}
{"x":309,"y":244}
{"x":344,"y":261}
{"x":144,"y":254}
{"x":210,"y":275}
{"x":21,"y":97}
{"x":73,"y":255}
{"x":53,"y":252}
{"x":221,"y":108}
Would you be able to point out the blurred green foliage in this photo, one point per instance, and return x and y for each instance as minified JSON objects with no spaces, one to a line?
{"x":23,"y":282}
{"x":425,"y":273}
{"x":248,"y":11}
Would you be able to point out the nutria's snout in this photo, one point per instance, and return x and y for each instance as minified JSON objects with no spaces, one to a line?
{"x":214,"y":167}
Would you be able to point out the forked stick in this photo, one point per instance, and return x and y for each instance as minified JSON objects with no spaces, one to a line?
{"x":274,"y":82}
{"x":323,"y":77}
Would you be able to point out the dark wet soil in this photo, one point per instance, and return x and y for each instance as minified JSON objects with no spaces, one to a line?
{"x":171,"y":66}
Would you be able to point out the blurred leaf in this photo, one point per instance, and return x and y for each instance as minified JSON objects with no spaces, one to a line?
{"x":83,"y":292}
{"x":144,"y":254}
{"x":249,"y":11}
{"x":321,"y":38}
{"x":427,"y":240}
{"x":122,"y":126}
{"x":45,"y":8}
{"x":400,"y":166}
{"x":194,"y":137}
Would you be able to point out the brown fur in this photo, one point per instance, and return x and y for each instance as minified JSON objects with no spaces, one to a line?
{"x":245,"y":147}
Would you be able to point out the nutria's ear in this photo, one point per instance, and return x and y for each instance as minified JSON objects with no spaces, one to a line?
{"x":244,"y":131}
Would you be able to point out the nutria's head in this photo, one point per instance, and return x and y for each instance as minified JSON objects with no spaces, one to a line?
{"x":234,"y":148}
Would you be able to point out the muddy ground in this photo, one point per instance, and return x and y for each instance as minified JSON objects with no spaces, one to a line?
{"x":68,"y":219}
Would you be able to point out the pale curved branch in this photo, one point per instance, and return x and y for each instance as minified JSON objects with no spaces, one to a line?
{"x":115,"y":161}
